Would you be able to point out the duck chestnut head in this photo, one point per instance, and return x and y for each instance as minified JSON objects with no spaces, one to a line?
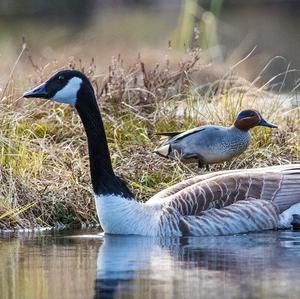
{"x":250,"y":118}
{"x":67,"y":86}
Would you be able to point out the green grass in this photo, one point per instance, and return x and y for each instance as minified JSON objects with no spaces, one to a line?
{"x":44,"y":171}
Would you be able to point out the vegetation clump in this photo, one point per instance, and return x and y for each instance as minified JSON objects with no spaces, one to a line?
{"x":44,"y":171}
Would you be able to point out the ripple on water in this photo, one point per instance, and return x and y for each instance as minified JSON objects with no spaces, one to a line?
{"x":89,"y":264}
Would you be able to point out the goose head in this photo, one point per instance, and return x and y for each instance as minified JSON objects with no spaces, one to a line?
{"x":249,"y":118}
{"x":67,"y":86}
{"x":74,"y":88}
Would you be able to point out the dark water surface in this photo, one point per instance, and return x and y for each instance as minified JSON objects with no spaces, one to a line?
{"x":86,"y":264}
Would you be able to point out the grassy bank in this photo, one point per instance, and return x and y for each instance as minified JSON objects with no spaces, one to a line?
{"x":44,"y":170}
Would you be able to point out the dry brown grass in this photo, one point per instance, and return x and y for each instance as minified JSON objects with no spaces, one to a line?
{"x":44,"y":164}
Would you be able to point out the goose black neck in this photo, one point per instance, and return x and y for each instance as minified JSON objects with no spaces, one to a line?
{"x":104,"y":180}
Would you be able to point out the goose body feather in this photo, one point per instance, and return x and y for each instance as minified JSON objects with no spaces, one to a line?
{"x":223,"y":203}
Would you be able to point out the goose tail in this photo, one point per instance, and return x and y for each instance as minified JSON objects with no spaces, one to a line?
{"x":289,"y":192}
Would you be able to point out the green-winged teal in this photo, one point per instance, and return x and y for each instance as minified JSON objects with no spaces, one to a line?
{"x":212,"y":144}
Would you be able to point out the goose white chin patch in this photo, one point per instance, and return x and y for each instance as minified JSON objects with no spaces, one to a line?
{"x":68,"y":94}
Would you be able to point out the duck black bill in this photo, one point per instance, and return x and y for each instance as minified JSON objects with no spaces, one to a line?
{"x":38,"y":92}
{"x":265,"y":123}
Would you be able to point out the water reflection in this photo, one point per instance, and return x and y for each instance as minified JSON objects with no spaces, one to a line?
{"x":89,"y":265}
{"x":38,"y":266}
{"x":246,"y":266}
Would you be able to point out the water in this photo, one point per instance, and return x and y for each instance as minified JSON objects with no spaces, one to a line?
{"x":86,"y":264}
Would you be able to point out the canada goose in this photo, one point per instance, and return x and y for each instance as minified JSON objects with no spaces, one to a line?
{"x":220,"y":203}
{"x":212,"y":144}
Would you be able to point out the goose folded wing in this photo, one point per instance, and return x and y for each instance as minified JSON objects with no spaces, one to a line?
{"x":280,"y":184}
{"x":240,"y":217}
{"x":166,"y":193}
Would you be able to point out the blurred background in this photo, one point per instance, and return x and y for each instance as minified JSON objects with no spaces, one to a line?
{"x":265,"y":31}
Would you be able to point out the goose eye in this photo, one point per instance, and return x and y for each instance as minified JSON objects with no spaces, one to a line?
{"x":61,"y":78}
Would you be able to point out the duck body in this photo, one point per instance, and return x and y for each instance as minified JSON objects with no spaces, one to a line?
{"x":221,"y":203}
{"x":212,"y":144}
{"x":207,"y":144}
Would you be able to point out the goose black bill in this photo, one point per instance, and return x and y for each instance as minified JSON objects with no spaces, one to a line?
{"x":38,"y":92}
